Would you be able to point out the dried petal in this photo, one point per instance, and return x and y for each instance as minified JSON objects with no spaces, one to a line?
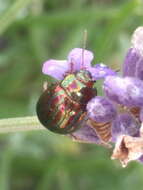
{"x":55,"y":68}
{"x":100,"y":71}
{"x":85,"y":134}
{"x":101,"y":109}
{"x":79,"y":58}
{"x":127,"y":91}
{"x":124,"y":124}
{"x":128,"y":148}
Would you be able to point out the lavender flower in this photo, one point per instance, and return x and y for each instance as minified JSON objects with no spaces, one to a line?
{"x":75,"y":62}
{"x":117,"y":116}
{"x":78,"y":59}
{"x":127,"y":93}
{"x":134,"y":59}
{"x":122,"y":105}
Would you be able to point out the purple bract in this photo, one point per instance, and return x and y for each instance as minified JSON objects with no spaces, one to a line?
{"x":127,"y":94}
{"x":126,"y":124}
{"x":101,"y":109}
{"x":86,"y":134}
{"x":127,"y":91}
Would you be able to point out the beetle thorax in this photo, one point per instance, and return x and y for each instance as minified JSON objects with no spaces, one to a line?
{"x":84,"y":76}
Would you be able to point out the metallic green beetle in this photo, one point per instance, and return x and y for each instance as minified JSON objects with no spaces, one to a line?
{"x":62,"y":107}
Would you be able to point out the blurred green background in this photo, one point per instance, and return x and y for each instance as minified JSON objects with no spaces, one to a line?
{"x":32,"y":31}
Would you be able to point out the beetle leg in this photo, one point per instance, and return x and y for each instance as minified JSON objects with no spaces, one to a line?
{"x":45,"y":86}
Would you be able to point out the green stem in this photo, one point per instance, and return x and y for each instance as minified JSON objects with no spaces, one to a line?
{"x":20,"y":124}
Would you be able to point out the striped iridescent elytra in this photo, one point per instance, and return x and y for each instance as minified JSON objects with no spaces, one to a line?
{"x":62,"y":106}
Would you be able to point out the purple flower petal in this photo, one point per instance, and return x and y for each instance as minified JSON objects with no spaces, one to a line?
{"x":127,"y":91}
{"x":137,"y":40}
{"x":86,"y":134}
{"x":55,"y":68}
{"x":141,"y":159}
{"x":101,"y":109}
{"x":141,"y":114}
{"x":133,"y":64}
{"x":100,"y":71}
{"x":124,"y":124}
{"x":79,"y":58}
{"x":139,"y":68}
{"x":130,"y":62}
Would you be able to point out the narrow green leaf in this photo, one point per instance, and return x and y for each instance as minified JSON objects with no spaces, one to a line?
{"x":108,"y":36}
{"x":11,"y":14}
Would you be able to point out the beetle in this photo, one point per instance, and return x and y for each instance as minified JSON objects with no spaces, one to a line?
{"x":62,"y":106}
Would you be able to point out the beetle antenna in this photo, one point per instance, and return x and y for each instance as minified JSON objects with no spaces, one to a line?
{"x":84,"y":46}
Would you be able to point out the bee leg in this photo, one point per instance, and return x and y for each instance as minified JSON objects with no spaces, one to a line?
{"x":47,"y":85}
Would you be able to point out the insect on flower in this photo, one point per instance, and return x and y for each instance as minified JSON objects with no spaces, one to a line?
{"x":62,"y":108}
